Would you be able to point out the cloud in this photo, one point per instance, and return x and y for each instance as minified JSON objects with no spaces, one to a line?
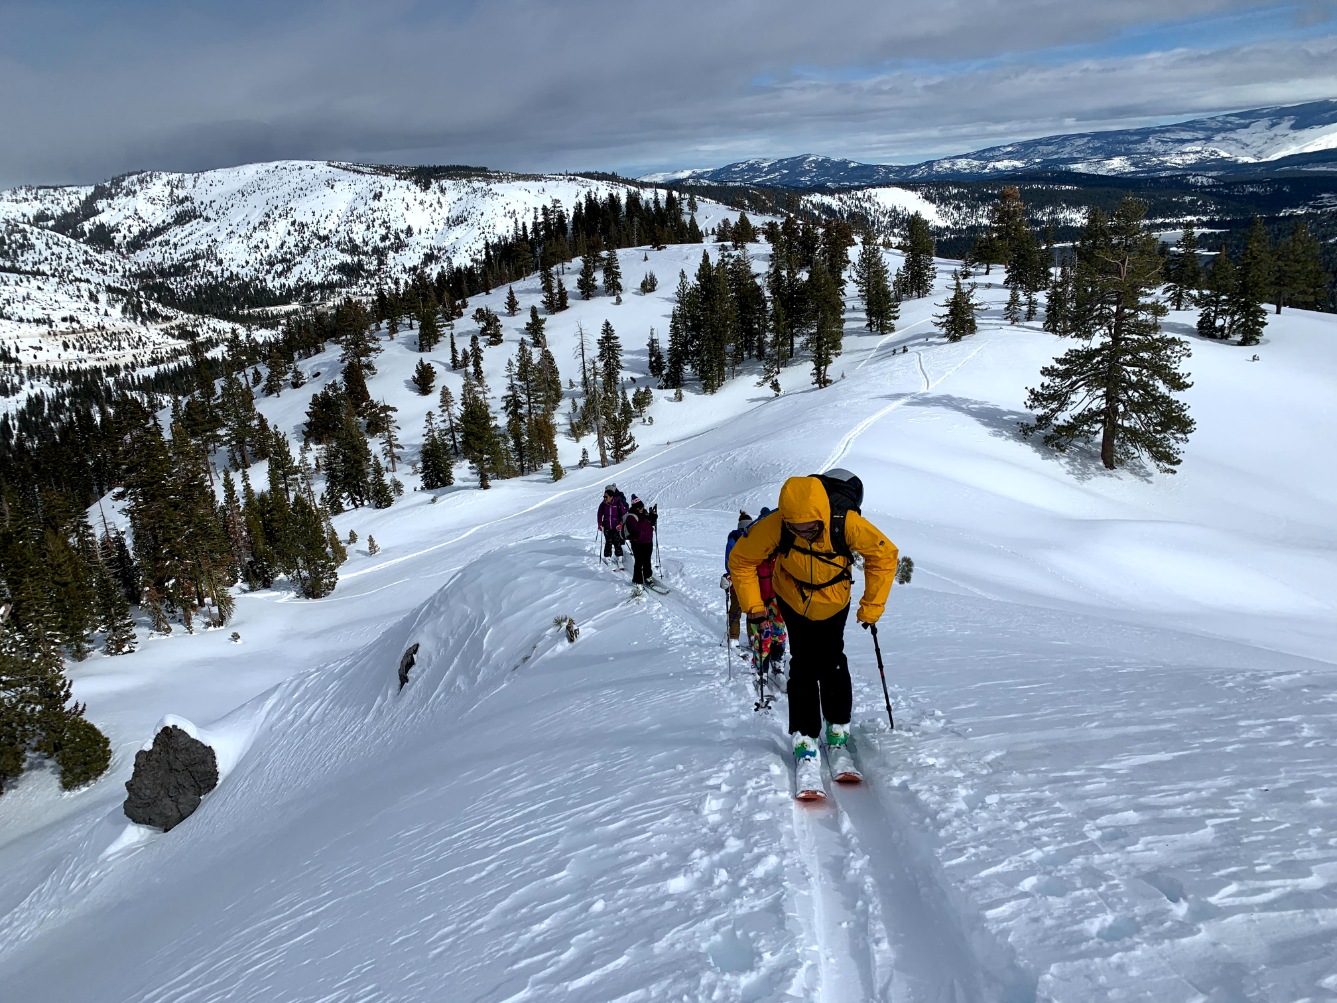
{"x":536,"y":85}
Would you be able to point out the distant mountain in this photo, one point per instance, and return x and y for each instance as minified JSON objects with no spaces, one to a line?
{"x":1299,"y":137}
{"x":80,"y":266}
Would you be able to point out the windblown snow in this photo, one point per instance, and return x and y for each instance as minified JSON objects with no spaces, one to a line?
{"x":1110,"y":776}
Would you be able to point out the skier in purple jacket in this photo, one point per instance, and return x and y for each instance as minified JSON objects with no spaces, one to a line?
{"x":640,"y":526}
{"x":612,"y":510}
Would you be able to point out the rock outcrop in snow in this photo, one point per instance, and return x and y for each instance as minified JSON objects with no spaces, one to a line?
{"x":170,"y":779}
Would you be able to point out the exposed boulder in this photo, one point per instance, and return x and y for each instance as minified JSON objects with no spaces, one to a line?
{"x":170,"y":779}
{"x":406,"y":663}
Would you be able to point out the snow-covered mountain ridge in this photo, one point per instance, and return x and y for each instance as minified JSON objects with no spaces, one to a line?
{"x":296,"y":223}
{"x":1293,"y":136}
{"x":287,"y":225}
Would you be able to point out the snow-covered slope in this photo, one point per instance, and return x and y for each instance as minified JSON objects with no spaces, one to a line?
{"x":1110,"y":776}
{"x":1302,"y":135}
{"x":304,"y":222}
{"x":285,"y":225}
{"x":64,"y":302}
{"x":885,"y":208}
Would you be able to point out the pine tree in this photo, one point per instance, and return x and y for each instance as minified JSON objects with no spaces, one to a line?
{"x":379,"y":493}
{"x":478,"y":434}
{"x":476,"y":362}
{"x":1215,"y":319}
{"x":609,"y":353}
{"x":1058,"y":303}
{"x":612,"y":273}
{"x":549,"y":287}
{"x":1257,"y":267}
{"x":958,"y":319}
{"x":489,"y":326}
{"x":919,"y":271}
{"x":390,"y":443}
{"x":512,"y":303}
{"x":587,"y":283}
{"x":654,"y":357}
{"x":437,"y":461}
{"x":36,"y":713}
{"x":1008,"y":228}
{"x":534,"y":329}
{"x":1300,"y":279}
{"x":621,"y":442}
{"x":424,"y":377}
{"x":871,"y":279}
{"x":517,"y":428}
{"x":315,"y":559}
{"x":744,"y":232}
{"x":825,"y":343}
{"x":447,"y":402}
{"x":1118,"y":385}
{"x":1184,"y":273}
{"x":352,"y":329}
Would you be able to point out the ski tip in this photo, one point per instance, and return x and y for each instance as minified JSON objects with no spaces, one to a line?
{"x":810,"y":796}
{"x":848,"y":778}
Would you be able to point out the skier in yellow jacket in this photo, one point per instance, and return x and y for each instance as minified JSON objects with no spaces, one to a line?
{"x":812,"y":584}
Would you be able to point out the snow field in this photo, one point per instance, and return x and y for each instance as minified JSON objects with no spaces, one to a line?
{"x":1102,"y":784}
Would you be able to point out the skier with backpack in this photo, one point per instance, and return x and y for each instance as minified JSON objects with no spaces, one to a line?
{"x":812,"y":538}
{"x":767,"y":637}
{"x":612,"y":510}
{"x":640,"y":524}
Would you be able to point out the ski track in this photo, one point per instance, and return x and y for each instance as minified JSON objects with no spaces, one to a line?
{"x":878,"y":919}
{"x":847,"y":441}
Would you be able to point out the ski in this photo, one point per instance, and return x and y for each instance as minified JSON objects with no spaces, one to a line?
{"x":808,"y":779}
{"x":655,"y":586}
{"x":841,"y":761}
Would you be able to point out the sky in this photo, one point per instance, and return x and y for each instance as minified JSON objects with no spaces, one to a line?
{"x":94,"y":88}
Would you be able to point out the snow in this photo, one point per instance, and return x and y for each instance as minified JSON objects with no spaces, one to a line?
{"x":890,"y":198}
{"x":1110,"y":776}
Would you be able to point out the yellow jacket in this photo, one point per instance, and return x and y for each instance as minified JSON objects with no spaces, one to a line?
{"x":801,"y":577}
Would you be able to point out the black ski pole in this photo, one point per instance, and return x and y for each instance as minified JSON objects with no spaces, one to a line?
{"x":658,"y":563}
{"x":883,"y":673}
{"x":728,"y":648}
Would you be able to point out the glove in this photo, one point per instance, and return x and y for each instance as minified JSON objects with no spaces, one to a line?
{"x":725,"y":581}
{"x":757,"y":618}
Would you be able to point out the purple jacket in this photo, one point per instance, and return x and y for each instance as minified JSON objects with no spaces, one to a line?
{"x":640,"y":526}
{"x":611,"y":514}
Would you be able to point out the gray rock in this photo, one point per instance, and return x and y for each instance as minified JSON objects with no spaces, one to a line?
{"x":170,"y":779}
{"x":406,"y":663}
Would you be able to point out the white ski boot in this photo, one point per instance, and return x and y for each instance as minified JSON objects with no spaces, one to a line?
{"x":840,"y":755}
{"x":807,"y":769}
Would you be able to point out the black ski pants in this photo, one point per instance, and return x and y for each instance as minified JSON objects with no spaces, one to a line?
{"x":612,"y":543}
{"x":819,"y":673}
{"x":641,"y":572}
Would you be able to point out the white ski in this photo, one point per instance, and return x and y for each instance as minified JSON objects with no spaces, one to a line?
{"x":808,"y":779}
{"x":841,"y":761}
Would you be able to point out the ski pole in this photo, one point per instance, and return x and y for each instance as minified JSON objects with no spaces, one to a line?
{"x":728,"y":648}
{"x":658,"y":563}
{"x":597,"y":549}
{"x":883,"y":673}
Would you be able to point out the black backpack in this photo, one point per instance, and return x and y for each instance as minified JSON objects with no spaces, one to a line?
{"x":844,"y":493}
